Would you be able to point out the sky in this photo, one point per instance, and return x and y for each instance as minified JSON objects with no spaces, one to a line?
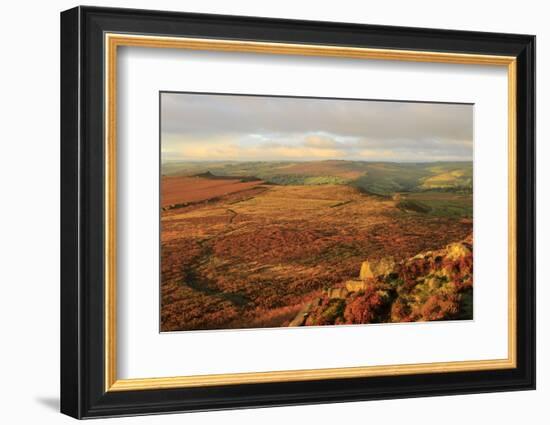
{"x":210,"y":127}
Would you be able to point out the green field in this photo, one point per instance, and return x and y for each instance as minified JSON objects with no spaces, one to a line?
{"x":438,"y":203}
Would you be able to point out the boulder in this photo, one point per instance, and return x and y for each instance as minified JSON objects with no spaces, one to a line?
{"x":303,"y":314}
{"x":372,"y":269}
{"x":458,"y":250}
{"x":356,"y":285}
{"x":337,"y":293}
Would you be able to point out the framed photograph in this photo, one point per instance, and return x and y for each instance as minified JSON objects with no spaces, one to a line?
{"x":261,"y":212}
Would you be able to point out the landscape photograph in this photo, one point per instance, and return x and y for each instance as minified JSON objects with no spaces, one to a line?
{"x":298,"y":211}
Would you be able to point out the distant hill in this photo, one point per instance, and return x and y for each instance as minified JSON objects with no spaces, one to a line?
{"x":210,"y":176}
{"x":381,"y":178}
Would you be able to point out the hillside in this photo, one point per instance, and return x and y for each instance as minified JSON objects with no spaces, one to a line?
{"x":181,"y":191}
{"x":381,"y":178}
{"x":248,"y":254}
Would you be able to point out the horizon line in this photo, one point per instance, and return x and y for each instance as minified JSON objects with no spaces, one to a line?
{"x":312,"y":160}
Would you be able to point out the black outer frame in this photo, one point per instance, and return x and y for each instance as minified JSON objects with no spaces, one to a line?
{"x":82,"y":214}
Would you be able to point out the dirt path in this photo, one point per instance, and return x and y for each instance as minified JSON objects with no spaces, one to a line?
{"x":233,"y":215}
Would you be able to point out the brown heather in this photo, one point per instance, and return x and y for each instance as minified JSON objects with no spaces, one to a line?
{"x":260,"y":255}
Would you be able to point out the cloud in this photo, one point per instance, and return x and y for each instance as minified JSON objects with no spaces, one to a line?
{"x":201,"y":127}
{"x":320,"y":142}
{"x":229,"y":148}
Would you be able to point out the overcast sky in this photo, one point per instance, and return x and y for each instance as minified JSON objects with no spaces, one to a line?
{"x":201,"y":127}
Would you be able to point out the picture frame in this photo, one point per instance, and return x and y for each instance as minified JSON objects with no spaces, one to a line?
{"x":90,"y":41}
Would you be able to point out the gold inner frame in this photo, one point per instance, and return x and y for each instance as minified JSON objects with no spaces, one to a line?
{"x":113,"y":41}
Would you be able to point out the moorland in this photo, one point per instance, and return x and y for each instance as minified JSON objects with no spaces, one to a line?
{"x":270,"y":244}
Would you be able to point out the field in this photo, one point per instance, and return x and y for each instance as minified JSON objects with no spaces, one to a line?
{"x":247,"y":245}
{"x":179,"y":190}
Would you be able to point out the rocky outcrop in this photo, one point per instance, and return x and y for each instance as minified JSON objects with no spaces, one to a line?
{"x":432,"y":285}
{"x":355,"y":285}
{"x":337,"y":293}
{"x":302,"y":315}
{"x":458,"y":250}
{"x":372,"y":269}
